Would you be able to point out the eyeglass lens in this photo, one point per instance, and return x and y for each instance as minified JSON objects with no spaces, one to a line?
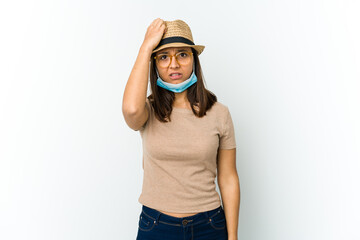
{"x":182,"y":58}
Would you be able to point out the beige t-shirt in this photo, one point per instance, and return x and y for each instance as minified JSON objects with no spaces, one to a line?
{"x":179,"y":159}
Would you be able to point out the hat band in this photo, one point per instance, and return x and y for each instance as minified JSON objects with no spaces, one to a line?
{"x":174,"y":39}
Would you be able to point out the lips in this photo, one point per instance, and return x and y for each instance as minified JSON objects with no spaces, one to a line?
{"x":175,"y":75}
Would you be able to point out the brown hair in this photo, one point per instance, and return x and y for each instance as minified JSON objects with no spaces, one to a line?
{"x":162,"y":100}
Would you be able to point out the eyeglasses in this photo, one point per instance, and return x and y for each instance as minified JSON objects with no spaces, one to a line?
{"x":182,"y":58}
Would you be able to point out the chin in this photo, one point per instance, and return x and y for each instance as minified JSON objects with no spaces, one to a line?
{"x":176,"y":80}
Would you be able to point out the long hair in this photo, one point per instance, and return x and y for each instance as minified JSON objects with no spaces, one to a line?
{"x":162,"y":99}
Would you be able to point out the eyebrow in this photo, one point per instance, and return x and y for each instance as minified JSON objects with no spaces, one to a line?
{"x":179,"y":50}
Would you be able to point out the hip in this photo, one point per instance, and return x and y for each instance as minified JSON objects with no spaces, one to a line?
{"x":208,"y":225}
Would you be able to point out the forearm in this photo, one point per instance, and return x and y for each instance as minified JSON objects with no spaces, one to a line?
{"x":230,"y":194}
{"x":136,"y":87}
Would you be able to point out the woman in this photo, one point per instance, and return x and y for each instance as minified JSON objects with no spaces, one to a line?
{"x":188,"y":137}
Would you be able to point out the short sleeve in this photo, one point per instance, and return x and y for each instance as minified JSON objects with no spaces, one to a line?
{"x":147,"y":105}
{"x":227,"y":135}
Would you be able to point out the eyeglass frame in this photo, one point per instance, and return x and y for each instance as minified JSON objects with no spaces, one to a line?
{"x":174,"y":55}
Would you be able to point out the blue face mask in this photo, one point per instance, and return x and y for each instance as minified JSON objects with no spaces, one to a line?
{"x":179,"y":87}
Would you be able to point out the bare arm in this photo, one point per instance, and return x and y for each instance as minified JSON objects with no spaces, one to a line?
{"x":229,"y":185}
{"x":133,"y":104}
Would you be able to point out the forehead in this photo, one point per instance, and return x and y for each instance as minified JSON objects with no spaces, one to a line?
{"x":174,"y":49}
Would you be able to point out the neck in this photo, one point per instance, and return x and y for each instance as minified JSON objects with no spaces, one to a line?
{"x":181,"y":98}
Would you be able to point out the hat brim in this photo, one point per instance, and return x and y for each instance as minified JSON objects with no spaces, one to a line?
{"x":199,"y":48}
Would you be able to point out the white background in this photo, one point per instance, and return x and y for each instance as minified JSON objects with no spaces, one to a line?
{"x":288,"y":71}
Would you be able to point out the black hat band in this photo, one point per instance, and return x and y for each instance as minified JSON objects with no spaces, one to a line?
{"x":173,"y":40}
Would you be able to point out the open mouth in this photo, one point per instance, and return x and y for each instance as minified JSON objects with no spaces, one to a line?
{"x":175,"y":75}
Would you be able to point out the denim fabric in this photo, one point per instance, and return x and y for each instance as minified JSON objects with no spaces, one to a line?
{"x":207,"y":225}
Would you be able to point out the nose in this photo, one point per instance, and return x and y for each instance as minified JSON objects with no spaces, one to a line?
{"x":173,"y":62}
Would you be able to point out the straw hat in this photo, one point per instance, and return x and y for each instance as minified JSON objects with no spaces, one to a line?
{"x":177,"y":34}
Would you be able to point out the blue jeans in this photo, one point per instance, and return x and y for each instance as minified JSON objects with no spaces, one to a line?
{"x":208,"y":225}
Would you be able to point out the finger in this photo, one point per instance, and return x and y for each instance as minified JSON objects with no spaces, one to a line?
{"x":154,"y":22}
{"x":160,"y":22}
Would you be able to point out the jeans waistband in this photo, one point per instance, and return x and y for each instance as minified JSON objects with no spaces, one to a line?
{"x":194,"y":219}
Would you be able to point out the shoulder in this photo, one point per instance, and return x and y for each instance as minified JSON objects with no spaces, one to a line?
{"x":222,"y":113}
{"x":220,"y":108}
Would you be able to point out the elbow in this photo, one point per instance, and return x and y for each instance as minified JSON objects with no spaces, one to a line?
{"x":129,"y":110}
{"x":231,"y":180}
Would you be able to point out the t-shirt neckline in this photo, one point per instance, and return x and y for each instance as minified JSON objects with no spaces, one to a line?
{"x":185,"y":110}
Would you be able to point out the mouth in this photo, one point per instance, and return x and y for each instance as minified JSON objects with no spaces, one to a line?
{"x":175,"y":76}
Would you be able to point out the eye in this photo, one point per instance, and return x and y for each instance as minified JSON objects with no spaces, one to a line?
{"x":162,"y":56}
{"x":183,"y":54}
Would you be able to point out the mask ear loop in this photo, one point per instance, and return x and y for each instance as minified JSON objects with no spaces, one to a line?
{"x":157,"y":73}
{"x":194,"y":68}
{"x":194,"y":64}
